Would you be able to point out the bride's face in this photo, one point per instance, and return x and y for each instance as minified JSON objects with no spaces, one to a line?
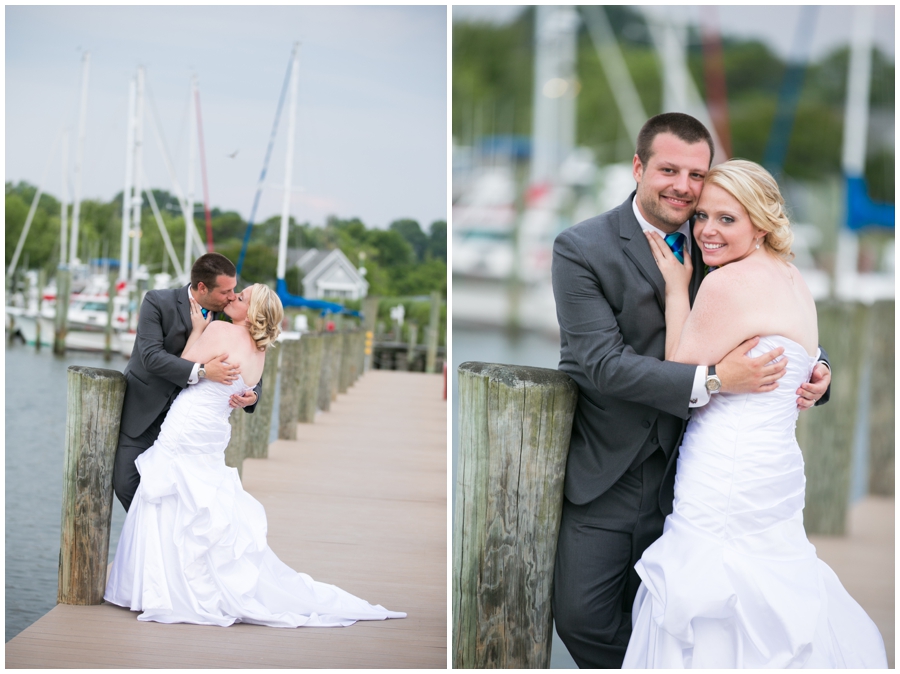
{"x":723,"y":229}
{"x":237,"y":309}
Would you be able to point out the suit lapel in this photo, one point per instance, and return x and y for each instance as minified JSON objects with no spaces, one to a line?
{"x":184,"y":308}
{"x":635,"y":246}
{"x":699,"y":268}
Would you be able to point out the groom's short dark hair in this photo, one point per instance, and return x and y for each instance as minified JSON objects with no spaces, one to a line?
{"x":682,"y":126}
{"x":209,"y":267}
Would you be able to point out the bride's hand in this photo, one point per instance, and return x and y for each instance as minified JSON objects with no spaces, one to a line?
{"x":198,"y":323}
{"x":676,"y":275}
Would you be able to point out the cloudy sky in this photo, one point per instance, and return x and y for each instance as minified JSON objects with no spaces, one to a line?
{"x":371,"y":135}
{"x":773,"y":25}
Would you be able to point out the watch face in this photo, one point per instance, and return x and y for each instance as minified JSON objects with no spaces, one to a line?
{"x":713,"y":384}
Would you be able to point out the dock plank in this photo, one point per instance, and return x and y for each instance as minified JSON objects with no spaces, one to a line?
{"x":358,"y":500}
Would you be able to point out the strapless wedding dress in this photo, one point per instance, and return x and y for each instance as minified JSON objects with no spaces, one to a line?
{"x":733,"y":582}
{"x":193,"y":548}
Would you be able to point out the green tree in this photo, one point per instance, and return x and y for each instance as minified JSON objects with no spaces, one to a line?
{"x":437,"y":240}
{"x":415,"y":237}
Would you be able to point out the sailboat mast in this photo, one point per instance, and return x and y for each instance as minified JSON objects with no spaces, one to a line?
{"x":288,"y":168}
{"x":138,"y":160}
{"x":79,"y":157}
{"x":64,"y":207}
{"x":126,"y":193}
{"x":189,"y":228}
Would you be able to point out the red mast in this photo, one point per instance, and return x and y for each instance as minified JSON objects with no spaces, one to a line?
{"x":209,"y":234}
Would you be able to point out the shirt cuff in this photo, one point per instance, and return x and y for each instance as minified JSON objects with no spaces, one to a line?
{"x":193,"y":379}
{"x":699,"y":394}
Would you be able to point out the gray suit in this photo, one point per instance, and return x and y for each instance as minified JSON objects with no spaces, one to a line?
{"x":631,"y":414}
{"x":632,"y":408}
{"x":154,"y":376}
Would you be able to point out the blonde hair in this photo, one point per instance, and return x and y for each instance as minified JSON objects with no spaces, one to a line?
{"x":264,"y":316}
{"x":756,"y":190}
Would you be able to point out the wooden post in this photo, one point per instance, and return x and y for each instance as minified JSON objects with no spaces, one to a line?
{"x":326,"y":373}
{"x":110,"y":307}
{"x":42,"y":281}
{"x":312,"y":347}
{"x":433,"y":326}
{"x":411,"y":349}
{"x":370,"y":311}
{"x":94,"y":410}
{"x":63,"y":285}
{"x":290,"y":389}
{"x":346,"y":356}
{"x":250,"y":431}
{"x":337,"y":357}
{"x":881,"y":412}
{"x":515,"y":425}
{"x":825,"y":433}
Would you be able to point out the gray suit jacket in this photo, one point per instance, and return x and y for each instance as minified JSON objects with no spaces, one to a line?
{"x":610,"y":303}
{"x":156,"y":373}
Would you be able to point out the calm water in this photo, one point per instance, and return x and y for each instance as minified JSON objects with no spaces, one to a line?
{"x":35,"y":443}
{"x":35,"y":437}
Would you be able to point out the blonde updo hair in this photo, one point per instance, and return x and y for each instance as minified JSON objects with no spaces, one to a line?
{"x":756,"y":190}
{"x":264,"y":316}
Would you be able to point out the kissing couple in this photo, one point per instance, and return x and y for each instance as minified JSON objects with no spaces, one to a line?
{"x":681,"y":542}
{"x":193,"y":547}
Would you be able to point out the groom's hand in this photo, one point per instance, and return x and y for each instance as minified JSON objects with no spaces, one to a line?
{"x":244,"y":399}
{"x":810,"y":392}
{"x":219,"y":371}
{"x":740,"y":374}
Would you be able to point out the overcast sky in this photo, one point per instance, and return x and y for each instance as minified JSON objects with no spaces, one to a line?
{"x":371,"y":136}
{"x":773,"y":25}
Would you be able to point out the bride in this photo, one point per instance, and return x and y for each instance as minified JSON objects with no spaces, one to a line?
{"x":193,"y":548}
{"x":733,"y":582}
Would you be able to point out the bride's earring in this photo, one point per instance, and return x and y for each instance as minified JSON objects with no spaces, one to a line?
{"x":757,"y":243}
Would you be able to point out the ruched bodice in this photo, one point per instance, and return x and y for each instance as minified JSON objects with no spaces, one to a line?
{"x":193,"y":548}
{"x":740,"y":470}
{"x":734,"y":582}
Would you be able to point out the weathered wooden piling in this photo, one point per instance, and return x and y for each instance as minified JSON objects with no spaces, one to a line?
{"x":250,"y":431}
{"x":432,"y":332}
{"x":825,"y":433}
{"x":63,"y":286}
{"x":290,"y":388}
{"x":94,"y":409}
{"x":337,"y":357}
{"x":881,"y":412}
{"x":515,"y":425}
{"x":313,"y":350}
{"x":324,"y":402}
{"x":346,"y":371}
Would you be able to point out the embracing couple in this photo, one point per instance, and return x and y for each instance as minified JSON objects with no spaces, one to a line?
{"x":193,"y":547}
{"x":682,"y":544}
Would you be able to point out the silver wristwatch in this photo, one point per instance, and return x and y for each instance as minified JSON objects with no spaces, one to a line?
{"x":713,"y":383}
{"x":201,"y":372}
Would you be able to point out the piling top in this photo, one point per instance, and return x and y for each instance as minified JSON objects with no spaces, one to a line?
{"x":518,"y":375}
{"x":95,"y":372}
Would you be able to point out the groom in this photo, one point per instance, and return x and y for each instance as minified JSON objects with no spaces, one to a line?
{"x":632,"y":403}
{"x":156,"y":373}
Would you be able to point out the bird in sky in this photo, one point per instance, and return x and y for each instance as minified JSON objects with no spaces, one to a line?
{"x":233,"y":154}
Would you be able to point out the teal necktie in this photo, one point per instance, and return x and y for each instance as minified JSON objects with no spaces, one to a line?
{"x":676,"y":243}
{"x":204,"y":311}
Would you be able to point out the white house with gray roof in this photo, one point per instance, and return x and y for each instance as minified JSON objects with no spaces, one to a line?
{"x":328,"y":274}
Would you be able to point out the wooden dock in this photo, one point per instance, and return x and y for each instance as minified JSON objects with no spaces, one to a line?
{"x":359,"y":500}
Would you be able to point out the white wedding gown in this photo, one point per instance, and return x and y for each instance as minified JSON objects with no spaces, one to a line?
{"x":193,"y":548}
{"x":733,"y":582}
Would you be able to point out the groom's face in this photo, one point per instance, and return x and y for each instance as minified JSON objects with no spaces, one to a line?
{"x":669,"y":185}
{"x":219,"y":296}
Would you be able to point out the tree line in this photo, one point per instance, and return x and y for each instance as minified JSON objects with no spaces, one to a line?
{"x":493,"y":83}
{"x":402,"y":260}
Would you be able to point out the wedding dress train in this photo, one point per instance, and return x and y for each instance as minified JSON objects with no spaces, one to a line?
{"x":193,"y":548}
{"x":733,"y":582}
